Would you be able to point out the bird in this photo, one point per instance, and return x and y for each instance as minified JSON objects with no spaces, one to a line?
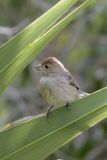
{"x":57,"y":85}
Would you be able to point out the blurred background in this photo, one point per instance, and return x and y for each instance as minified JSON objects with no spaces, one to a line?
{"x":82,"y":47}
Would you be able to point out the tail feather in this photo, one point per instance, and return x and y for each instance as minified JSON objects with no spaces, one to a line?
{"x":83,"y":94}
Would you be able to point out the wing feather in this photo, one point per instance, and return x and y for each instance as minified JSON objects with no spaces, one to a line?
{"x":72,"y":82}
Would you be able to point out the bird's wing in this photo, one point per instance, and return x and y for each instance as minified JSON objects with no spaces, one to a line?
{"x":72,"y":82}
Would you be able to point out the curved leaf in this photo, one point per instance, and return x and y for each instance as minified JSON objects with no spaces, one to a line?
{"x":38,"y":138}
{"x":14,"y":46}
{"x":13,"y":68}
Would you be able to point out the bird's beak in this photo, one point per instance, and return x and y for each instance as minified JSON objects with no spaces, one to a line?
{"x":38,"y":67}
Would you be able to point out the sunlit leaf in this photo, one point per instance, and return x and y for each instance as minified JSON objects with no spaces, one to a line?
{"x":38,"y":138}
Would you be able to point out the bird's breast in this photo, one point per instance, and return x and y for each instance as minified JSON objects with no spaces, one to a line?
{"x":57,"y":91}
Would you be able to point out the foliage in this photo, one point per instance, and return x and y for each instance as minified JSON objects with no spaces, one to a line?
{"x":18,"y":52}
{"x":41,"y":136}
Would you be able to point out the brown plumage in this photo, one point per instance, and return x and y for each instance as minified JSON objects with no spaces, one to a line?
{"x":57,"y":84}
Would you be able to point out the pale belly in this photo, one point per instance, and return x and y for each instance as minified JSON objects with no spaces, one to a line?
{"x":58,"y":92}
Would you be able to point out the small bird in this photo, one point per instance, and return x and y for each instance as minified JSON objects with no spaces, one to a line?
{"x":57,"y":85}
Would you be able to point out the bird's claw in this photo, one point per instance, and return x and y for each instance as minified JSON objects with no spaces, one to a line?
{"x":49,"y":111}
{"x":68,"y":106}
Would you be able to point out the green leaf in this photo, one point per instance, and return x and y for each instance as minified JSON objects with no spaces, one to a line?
{"x":13,"y":48}
{"x":38,"y":138}
{"x":16,"y":54}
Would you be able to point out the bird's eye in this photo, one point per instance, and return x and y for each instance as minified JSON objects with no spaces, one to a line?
{"x":46,"y":66}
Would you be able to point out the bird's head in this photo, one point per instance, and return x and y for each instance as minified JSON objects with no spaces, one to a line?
{"x":51,"y":66}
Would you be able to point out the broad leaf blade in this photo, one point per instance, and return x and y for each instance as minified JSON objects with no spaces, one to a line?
{"x":19,"y":62}
{"x":14,"y":46}
{"x":38,"y":138}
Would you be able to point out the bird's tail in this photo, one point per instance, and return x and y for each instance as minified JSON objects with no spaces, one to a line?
{"x":83,"y":94}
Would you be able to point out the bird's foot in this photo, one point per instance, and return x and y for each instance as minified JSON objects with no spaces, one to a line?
{"x":49,"y":111}
{"x":68,"y":106}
